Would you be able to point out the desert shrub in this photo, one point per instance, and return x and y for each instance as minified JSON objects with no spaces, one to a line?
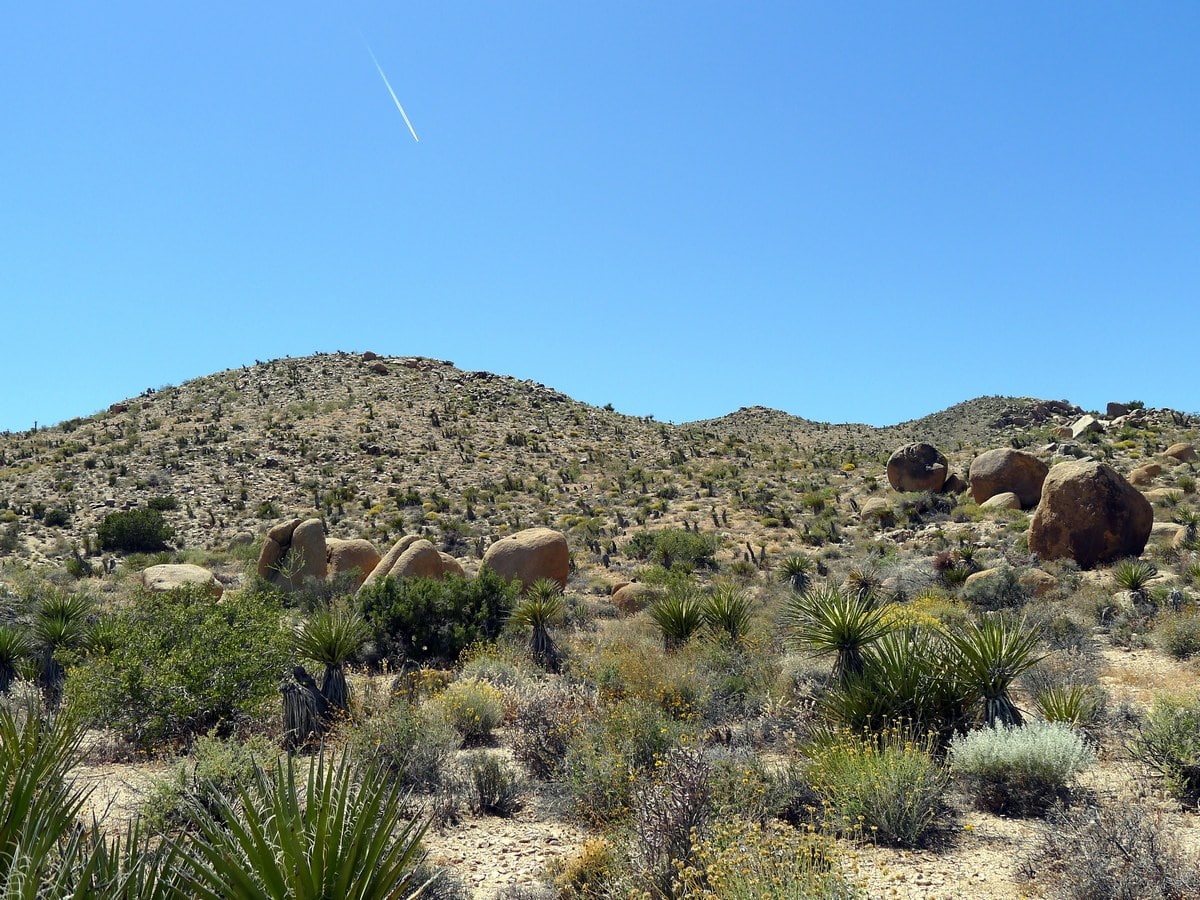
{"x":1075,"y":705}
{"x":668,"y":810}
{"x":989,"y":657}
{"x":163,"y":504}
{"x":743,"y":785}
{"x":626,"y":668}
{"x":885,"y":786}
{"x":606,"y":757}
{"x":727,"y":611}
{"x":547,"y":718}
{"x":678,"y":615}
{"x":473,"y":708}
{"x":1169,"y":743}
{"x":751,"y":861}
{"x":671,"y":546}
{"x":494,"y":788}
{"x":542,"y":606}
{"x":1019,"y":771}
{"x":408,"y":745}
{"x":1111,"y":851}
{"x":1179,"y":635}
{"x":586,"y":874}
{"x":56,"y":518}
{"x":184,"y":664}
{"x":1000,"y":589}
{"x":134,"y":531}
{"x":500,"y":664}
{"x":739,"y":676}
{"x":424,"y":619}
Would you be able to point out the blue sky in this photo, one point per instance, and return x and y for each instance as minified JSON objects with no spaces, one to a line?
{"x":852,"y":212}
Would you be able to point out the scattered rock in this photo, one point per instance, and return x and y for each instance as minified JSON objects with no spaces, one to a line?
{"x":1084,"y":425}
{"x":917,"y":467}
{"x":1181,"y":451}
{"x":1089,"y":513}
{"x":1004,"y":470}
{"x":167,"y":577}
{"x":529,"y":555}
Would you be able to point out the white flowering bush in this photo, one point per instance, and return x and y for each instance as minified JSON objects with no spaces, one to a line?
{"x":1019,"y":770}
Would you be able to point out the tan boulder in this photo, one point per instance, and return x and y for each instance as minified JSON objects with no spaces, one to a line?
{"x":384,"y":566}
{"x":876,"y":509}
{"x":167,"y":577}
{"x":451,"y":566}
{"x":282,"y":533}
{"x":917,"y":467}
{"x":1091,"y":514}
{"x":420,"y":560}
{"x":954,"y":484}
{"x":1084,"y":425}
{"x":1181,"y":451}
{"x":269,"y":558}
{"x":1166,"y":531}
{"x":306,"y":554}
{"x":353,"y":555}
{"x":1036,"y":582}
{"x":529,"y":555}
{"x":1145,"y":474}
{"x":634,"y":597}
{"x":1006,"y":470}
{"x":1005,"y":500}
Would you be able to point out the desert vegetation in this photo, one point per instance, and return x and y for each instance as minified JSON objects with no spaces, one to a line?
{"x":770,"y":672}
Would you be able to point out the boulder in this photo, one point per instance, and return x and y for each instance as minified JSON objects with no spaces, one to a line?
{"x":954,"y":484}
{"x":1144,"y":475}
{"x":282,"y":533}
{"x":420,"y":560}
{"x":1091,"y":514}
{"x":1181,"y":451}
{"x":269,"y":558}
{"x":1114,"y":410}
{"x":1005,"y":500}
{"x":379,"y":368}
{"x":876,"y":509}
{"x":634,"y":597}
{"x":1167,"y":531}
{"x":384,"y":567}
{"x":917,"y":467}
{"x":169,"y":577}
{"x":1084,"y":425}
{"x":1037,"y":583}
{"x":241,"y":539}
{"x":1005,"y":470}
{"x":348,"y":556}
{"x":306,"y":554}
{"x":451,"y":566}
{"x":529,"y":555}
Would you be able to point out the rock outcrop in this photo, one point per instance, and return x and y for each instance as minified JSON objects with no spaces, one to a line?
{"x":917,"y":467}
{"x":1004,"y":470}
{"x":293,"y":551}
{"x":1091,"y":514}
{"x":529,"y":555}
{"x":413,"y":557}
{"x":349,"y":556}
{"x":168,"y":577}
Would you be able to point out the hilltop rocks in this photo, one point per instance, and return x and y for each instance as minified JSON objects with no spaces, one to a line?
{"x":1085,"y":425}
{"x":169,"y":577}
{"x":1116,"y":410}
{"x":917,"y":467}
{"x":1090,"y":514}
{"x":1004,"y":470}
{"x":529,"y":555}
{"x":348,"y":556}
{"x":1181,"y":452}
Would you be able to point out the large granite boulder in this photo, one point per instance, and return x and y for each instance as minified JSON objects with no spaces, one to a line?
{"x":167,"y":577}
{"x":1091,"y":514}
{"x":356,"y":555}
{"x":529,"y":555}
{"x":1005,"y":470}
{"x":917,"y":467}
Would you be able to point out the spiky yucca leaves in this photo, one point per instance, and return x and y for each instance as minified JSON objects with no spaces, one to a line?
{"x":1134,"y":575}
{"x":1073,"y":704}
{"x":15,"y":646}
{"x":678,"y":615}
{"x":828,"y":620}
{"x":728,"y":611}
{"x":60,"y":623}
{"x":797,"y":571}
{"x":543,"y":606}
{"x":335,"y":837}
{"x":908,"y":681}
{"x":331,"y":637}
{"x":989,"y":657}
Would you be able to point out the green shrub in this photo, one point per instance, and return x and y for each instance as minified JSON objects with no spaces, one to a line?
{"x":1019,"y":771}
{"x":885,"y":786}
{"x":1179,"y":635}
{"x":1001,"y":589}
{"x":56,"y":518}
{"x":1169,"y":743}
{"x":407,"y":745}
{"x":184,"y":664}
{"x":830,"y":621}
{"x":728,"y":611}
{"x":678,"y":615}
{"x":163,"y":504}
{"x":669,"y":810}
{"x":424,"y":620}
{"x":548,"y":717}
{"x":671,"y":546}
{"x":494,"y":787}
{"x":134,"y":531}
{"x":473,"y":708}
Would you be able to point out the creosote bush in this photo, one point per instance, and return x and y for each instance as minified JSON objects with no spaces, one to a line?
{"x":473,"y":708}
{"x":134,"y":531}
{"x":1019,"y":771}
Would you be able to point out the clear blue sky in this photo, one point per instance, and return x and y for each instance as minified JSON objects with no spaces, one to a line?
{"x":852,"y":212}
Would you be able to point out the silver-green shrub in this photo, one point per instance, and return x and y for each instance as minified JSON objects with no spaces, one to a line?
{"x":1020,"y":771}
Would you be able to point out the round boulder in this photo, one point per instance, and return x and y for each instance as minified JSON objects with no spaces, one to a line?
{"x":917,"y":467}
{"x":349,"y":556}
{"x":1090,"y":514}
{"x":1004,"y":500}
{"x":634,"y":597}
{"x":1004,"y":470}
{"x":420,"y":560}
{"x":169,"y":577}
{"x":306,"y":555}
{"x":1181,"y":451}
{"x":529,"y":555}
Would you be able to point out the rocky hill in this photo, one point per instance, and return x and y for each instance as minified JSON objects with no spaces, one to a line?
{"x":385,"y":446}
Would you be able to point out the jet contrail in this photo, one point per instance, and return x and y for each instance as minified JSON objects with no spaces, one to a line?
{"x":395,"y":99}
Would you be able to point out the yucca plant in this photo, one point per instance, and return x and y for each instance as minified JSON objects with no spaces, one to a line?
{"x":727,"y":610}
{"x":989,"y":657}
{"x":1072,"y":704}
{"x":864,"y":582}
{"x":60,"y":623}
{"x":543,"y":606}
{"x":827,"y":620}
{"x":15,"y":646}
{"x":797,"y":571}
{"x":331,"y":637}
{"x":335,"y":837}
{"x":678,"y":615}
{"x":1134,"y":575}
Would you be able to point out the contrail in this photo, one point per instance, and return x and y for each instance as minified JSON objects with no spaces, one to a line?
{"x":395,"y":99}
